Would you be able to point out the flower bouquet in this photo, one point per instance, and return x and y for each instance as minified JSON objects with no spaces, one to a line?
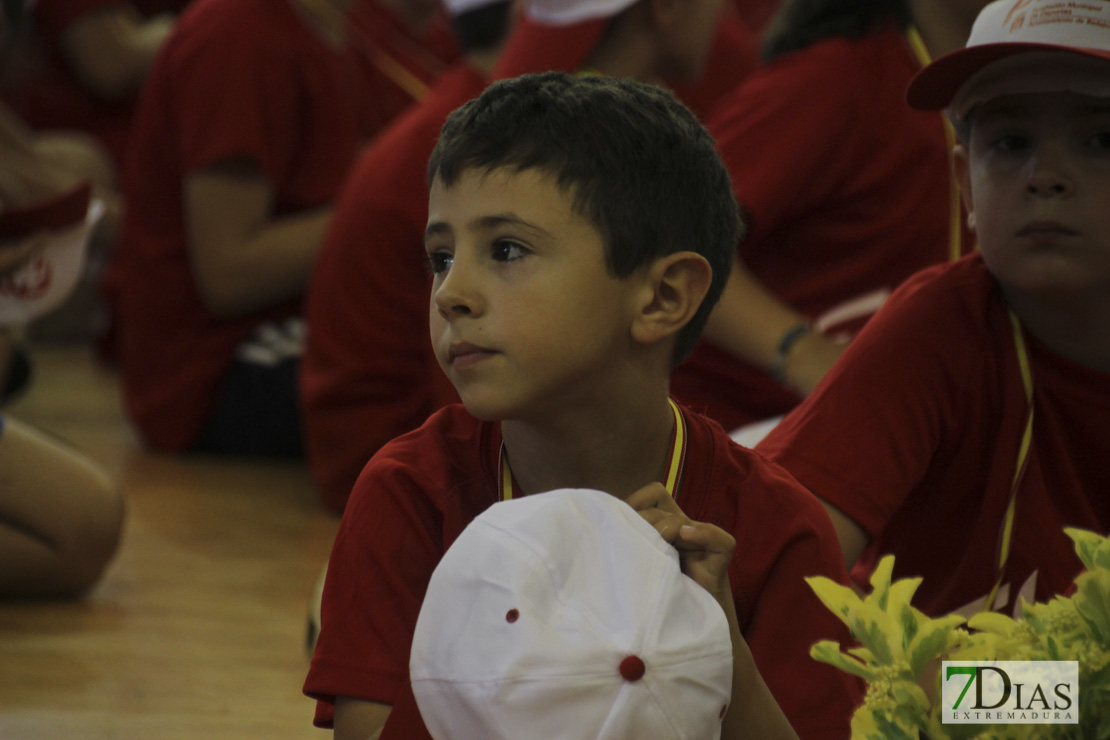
{"x":900,"y":650}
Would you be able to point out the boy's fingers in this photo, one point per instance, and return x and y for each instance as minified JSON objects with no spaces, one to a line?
{"x":666,"y":524}
{"x":702,"y":536}
{"x":650,"y":496}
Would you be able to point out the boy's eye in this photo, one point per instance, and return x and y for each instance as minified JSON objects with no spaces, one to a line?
{"x":507,"y":251}
{"x":1010,"y":143}
{"x":440,"y":261}
{"x":1100,"y":140}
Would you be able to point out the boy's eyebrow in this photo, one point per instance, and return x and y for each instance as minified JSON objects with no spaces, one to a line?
{"x":435,"y":228}
{"x":486,"y":223}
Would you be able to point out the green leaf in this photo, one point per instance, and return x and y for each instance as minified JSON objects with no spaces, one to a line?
{"x":874,"y":637}
{"x":993,"y":622}
{"x":1086,"y":545}
{"x":840,"y":600}
{"x":931,"y":644}
{"x":828,"y":651}
{"x":909,"y":625}
{"x":880,"y":581}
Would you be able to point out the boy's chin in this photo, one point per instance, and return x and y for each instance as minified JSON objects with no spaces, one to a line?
{"x":484,"y":409}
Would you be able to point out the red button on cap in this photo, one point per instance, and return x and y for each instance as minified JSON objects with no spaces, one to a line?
{"x":632,"y":668}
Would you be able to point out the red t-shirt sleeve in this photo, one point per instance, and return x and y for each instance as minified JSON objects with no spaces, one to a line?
{"x":785,"y":537}
{"x":383,"y":556}
{"x":785,"y":135}
{"x":230,"y":102}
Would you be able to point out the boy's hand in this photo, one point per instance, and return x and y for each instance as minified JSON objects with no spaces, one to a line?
{"x":704,"y":550}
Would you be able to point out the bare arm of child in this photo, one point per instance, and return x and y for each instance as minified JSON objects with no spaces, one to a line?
{"x":111,"y":49}
{"x":246,"y":259}
{"x":749,"y":323}
{"x":705,"y":551}
{"x":358,"y":719}
{"x":853,"y":538}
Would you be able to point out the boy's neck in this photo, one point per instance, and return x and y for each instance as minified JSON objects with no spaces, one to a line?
{"x":942,"y":28}
{"x":1075,"y":328}
{"x":617,"y":449}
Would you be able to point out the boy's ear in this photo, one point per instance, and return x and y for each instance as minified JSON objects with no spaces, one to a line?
{"x":674,"y":288}
{"x":961,"y":167}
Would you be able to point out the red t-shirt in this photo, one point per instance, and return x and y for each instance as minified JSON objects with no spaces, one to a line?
{"x":914,"y":434}
{"x":421,"y":490}
{"x":368,"y":373}
{"x":846,"y":193}
{"x":283,"y":97}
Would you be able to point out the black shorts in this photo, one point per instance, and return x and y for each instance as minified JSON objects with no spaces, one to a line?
{"x":258,"y":411}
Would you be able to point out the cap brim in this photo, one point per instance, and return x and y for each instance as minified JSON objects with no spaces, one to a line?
{"x":59,"y":212}
{"x":934,"y":87}
{"x":539,"y":47}
{"x":44,"y":282}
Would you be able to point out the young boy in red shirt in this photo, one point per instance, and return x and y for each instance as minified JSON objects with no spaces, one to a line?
{"x":967,"y":425}
{"x":579,"y":231}
{"x":369,"y":287}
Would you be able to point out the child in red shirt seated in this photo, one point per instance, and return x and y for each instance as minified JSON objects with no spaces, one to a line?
{"x":967,"y":425}
{"x":579,"y":232}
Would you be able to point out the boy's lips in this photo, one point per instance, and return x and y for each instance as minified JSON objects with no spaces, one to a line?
{"x":464,"y":354}
{"x":1046,"y":228}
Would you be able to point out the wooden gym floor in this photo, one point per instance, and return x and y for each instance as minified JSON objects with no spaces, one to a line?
{"x":196,"y":631}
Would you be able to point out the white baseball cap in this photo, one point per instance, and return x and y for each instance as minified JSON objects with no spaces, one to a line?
{"x":47,"y":278}
{"x":1021,"y":46}
{"x":565,"y":615}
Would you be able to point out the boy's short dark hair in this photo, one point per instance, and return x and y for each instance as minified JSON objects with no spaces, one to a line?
{"x":638,"y":163}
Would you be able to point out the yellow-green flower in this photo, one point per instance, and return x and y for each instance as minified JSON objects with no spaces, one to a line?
{"x":900,"y":648}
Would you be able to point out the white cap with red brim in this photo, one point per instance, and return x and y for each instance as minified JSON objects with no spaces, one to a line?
{"x":64,"y":224}
{"x":1018,"y":47}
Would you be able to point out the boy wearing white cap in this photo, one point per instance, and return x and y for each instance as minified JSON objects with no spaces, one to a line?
{"x":968,"y":424}
{"x":579,"y":231}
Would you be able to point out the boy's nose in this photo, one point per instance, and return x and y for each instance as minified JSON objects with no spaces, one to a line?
{"x":1048,"y":176}
{"x":456,"y":295}
{"x":1048,"y":186}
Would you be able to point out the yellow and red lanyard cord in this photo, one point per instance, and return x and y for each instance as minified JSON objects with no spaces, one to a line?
{"x":508,"y":489}
{"x":1005,"y":536}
